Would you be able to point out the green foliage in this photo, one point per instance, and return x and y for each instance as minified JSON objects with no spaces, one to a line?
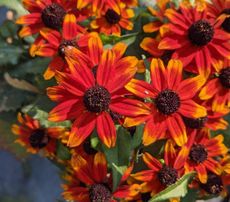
{"x":179,"y":189}
{"x":63,"y":152}
{"x":119,"y":156}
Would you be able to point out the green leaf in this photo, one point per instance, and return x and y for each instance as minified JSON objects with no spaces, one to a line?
{"x":118,"y":157}
{"x":137,"y":137}
{"x":63,"y":152}
{"x":179,"y":189}
{"x":128,"y":39}
{"x":191,"y":196}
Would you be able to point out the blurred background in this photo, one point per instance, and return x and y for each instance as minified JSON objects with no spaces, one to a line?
{"x":23,"y":177}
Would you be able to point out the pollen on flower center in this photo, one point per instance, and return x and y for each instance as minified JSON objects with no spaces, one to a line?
{"x":198,"y":153}
{"x":53,"y":16}
{"x":167,"y":102}
{"x":97,"y":99}
{"x":224,"y":77}
{"x":64,"y":44}
{"x":201,"y":33}
{"x":195,"y":123}
{"x":167,"y":175}
{"x":99,"y":193}
{"x":39,"y":138}
{"x":214,"y":184}
{"x":226,"y":24}
{"x":112,"y":17}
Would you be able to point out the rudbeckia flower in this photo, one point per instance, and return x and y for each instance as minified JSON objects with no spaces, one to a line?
{"x":218,"y":87}
{"x":213,"y":120}
{"x":35,"y":137}
{"x":216,"y":8}
{"x":90,"y":95}
{"x":46,"y":13}
{"x":159,"y":176}
{"x":171,"y":99}
{"x":200,"y":154}
{"x":195,"y":39}
{"x":111,"y":20}
{"x":52,"y":43}
{"x":91,"y":181}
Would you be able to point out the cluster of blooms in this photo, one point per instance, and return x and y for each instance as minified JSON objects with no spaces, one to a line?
{"x":98,"y":89}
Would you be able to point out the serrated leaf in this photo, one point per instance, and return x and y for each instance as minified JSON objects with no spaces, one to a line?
{"x":179,"y":189}
{"x":119,"y":156}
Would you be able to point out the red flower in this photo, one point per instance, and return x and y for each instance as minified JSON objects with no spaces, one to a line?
{"x":195,"y":39}
{"x":172,"y":99}
{"x":91,"y":181}
{"x":200,"y":154}
{"x":218,"y":88}
{"x":159,"y":176}
{"x":53,"y":44}
{"x":92,"y":93}
{"x":36,"y":138}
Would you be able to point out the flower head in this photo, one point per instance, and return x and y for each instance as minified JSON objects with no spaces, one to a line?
{"x":171,"y":99}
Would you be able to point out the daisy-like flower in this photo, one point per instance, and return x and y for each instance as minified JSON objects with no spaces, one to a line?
{"x":218,"y":87}
{"x":159,"y":14}
{"x":110,"y":21}
{"x":46,"y":13}
{"x":53,"y":44}
{"x":200,"y":154}
{"x":91,"y":94}
{"x":172,"y":99}
{"x":92,"y":182}
{"x":195,"y":39}
{"x":35,"y":137}
{"x":159,"y":176}
{"x":213,"y":120}
{"x":216,"y":8}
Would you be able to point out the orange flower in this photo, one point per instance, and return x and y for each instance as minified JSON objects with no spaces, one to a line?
{"x":36,"y":138}
{"x":111,"y":20}
{"x":172,"y":99}
{"x":94,"y":91}
{"x":220,"y":8}
{"x":218,"y":87}
{"x":159,"y":176}
{"x":200,"y":154}
{"x":91,"y":181}
{"x":44,"y":13}
{"x":195,"y":39}
{"x":51,"y":43}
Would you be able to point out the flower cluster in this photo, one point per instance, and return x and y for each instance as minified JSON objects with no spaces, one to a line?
{"x":173,"y":97}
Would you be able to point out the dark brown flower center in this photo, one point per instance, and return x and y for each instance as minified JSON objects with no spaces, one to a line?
{"x":201,"y":33}
{"x":88,"y":148}
{"x":64,"y":44}
{"x":224,"y":77}
{"x":112,"y":17}
{"x":145,"y":197}
{"x":97,"y":99}
{"x":167,"y":175}
{"x":99,"y":193}
{"x":195,"y":123}
{"x":226,"y":24}
{"x":214,"y":184}
{"x":167,"y":102}
{"x":167,"y":56}
{"x":198,"y":153}
{"x":53,"y":16}
{"x":39,"y":138}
